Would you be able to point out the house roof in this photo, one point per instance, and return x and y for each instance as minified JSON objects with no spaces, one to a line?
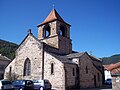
{"x":114,"y":68}
{"x":106,"y":66}
{"x":4,"y":57}
{"x":53,"y":15}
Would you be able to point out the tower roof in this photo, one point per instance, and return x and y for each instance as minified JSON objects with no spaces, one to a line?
{"x":53,"y":15}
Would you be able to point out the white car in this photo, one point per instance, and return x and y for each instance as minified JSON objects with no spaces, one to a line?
{"x":108,"y":81}
{"x":6,"y":85}
{"x":42,"y":85}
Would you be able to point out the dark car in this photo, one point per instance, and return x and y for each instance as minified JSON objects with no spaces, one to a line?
{"x":6,"y":85}
{"x":42,"y":85}
{"x":23,"y":85}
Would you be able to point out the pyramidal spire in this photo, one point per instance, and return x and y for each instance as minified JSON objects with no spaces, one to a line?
{"x":53,"y":15}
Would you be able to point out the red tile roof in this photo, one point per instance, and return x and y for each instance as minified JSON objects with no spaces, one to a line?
{"x":114,"y":68}
{"x":106,"y":67}
{"x":53,"y":15}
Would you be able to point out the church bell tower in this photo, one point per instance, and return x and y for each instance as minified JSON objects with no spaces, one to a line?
{"x":54,"y":31}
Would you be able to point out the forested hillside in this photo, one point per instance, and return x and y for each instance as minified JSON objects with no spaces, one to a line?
{"x":8,"y":49}
{"x":109,"y":60}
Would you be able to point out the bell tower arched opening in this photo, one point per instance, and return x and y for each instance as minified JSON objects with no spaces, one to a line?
{"x":62,"y":31}
{"x":47,"y":31}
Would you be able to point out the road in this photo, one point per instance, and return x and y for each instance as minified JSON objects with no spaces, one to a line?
{"x":93,"y":89}
{"x":104,"y":87}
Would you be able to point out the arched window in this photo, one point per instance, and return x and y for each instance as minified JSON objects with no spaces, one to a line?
{"x":27,"y":67}
{"x":47,"y":31}
{"x":52,"y":68}
{"x":10,"y":70}
{"x":73,"y":72}
{"x":62,"y":31}
{"x":98,"y":77}
{"x":86,"y":70}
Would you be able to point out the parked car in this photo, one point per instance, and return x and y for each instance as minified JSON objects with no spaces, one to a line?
{"x":45,"y":84}
{"x":6,"y":85}
{"x":23,"y":85}
{"x":108,"y":81}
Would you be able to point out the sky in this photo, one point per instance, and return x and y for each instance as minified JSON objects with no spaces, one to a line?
{"x":95,"y":24}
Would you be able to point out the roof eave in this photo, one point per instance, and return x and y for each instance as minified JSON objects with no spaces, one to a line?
{"x":52,"y":21}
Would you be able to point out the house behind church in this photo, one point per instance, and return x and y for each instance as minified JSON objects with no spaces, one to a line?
{"x":114,"y":70}
{"x":4,"y":61}
{"x":50,"y":56}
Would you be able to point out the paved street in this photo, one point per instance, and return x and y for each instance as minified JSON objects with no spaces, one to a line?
{"x":105,"y":87}
{"x":93,"y":89}
{"x":90,"y":89}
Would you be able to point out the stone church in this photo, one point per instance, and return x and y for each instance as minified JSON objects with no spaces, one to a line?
{"x":50,"y":56}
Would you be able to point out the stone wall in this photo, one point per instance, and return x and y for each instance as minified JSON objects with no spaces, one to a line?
{"x":70,"y":75}
{"x":60,"y":72}
{"x":116,"y":82}
{"x":63,"y":43}
{"x":32,"y":50}
{"x":57,"y":77}
{"x":53,"y":30}
{"x":7,"y":69}
{"x":89,"y":73}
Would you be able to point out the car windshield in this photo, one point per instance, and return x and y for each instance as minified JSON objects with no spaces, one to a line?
{"x":37,"y":81}
{"x":18,"y":82}
{"x":6,"y":82}
{"x":109,"y":79}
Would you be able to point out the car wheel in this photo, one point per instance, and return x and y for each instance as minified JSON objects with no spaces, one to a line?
{"x":41,"y":88}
